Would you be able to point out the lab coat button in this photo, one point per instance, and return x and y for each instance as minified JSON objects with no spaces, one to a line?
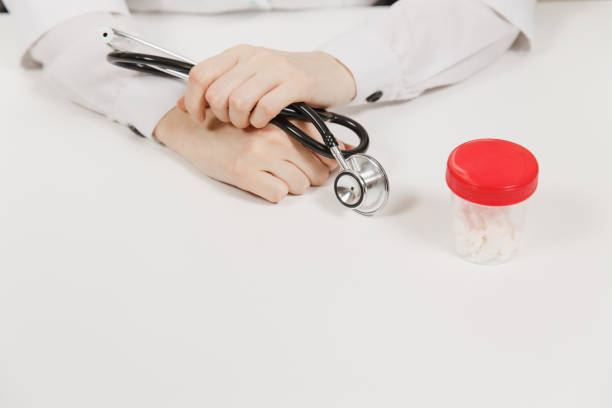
{"x":374,"y":97}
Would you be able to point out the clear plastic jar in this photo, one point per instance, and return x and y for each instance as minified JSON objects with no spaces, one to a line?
{"x":491,"y":181}
{"x":485,"y":234}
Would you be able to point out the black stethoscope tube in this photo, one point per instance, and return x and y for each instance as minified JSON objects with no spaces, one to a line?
{"x":146,"y":63}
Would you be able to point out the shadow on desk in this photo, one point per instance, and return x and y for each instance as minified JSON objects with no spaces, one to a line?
{"x":422,"y":215}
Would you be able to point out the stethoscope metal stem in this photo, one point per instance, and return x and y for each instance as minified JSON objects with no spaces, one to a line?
{"x":173,"y":73}
{"x":110,"y":34}
{"x":339,"y":157}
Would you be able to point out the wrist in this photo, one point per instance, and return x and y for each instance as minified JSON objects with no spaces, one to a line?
{"x":347,"y":78}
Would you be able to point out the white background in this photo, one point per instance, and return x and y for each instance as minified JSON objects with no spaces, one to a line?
{"x":127,"y":279}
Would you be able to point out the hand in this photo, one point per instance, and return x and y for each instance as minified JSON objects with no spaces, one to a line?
{"x":248,"y":85}
{"x":265,"y":162}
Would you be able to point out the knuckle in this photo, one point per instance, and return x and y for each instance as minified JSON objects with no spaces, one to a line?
{"x":262,"y":54}
{"x":239,"y":103}
{"x":257,"y":122}
{"x":237,"y":166}
{"x":240,"y":48}
{"x":253,"y":147}
{"x":214,"y":97}
{"x":241,"y":123}
{"x":283,"y":63}
{"x":268,"y":108}
{"x":199,"y":75}
{"x":263,"y":114}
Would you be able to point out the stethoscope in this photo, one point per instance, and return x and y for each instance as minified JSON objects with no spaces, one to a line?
{"x":361,"y":184}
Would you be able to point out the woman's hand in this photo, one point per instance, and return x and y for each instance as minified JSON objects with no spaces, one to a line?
{"x":248,"y":85}
{"x":265,"y":162}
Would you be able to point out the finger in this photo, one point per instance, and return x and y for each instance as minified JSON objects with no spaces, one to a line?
{"x":200,"y":78}
{"x":219,"y":91}
{"x":296,"y":180}
{"x":181,"y":104}
{"x":245,"y":97}
{"x":264,"y":185}
{"x":273,"y":102}
{"x":316,"y":171}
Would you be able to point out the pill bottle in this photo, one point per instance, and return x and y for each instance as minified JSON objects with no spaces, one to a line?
{"x":491,"y":181}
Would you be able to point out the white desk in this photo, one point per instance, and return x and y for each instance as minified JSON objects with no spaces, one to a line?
{"x":129,"y":280}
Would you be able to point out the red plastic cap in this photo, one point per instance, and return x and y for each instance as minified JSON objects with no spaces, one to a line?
{"x":492,"y":172}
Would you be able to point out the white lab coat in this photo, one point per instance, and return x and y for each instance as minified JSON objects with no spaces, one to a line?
{"x":414,"y":46}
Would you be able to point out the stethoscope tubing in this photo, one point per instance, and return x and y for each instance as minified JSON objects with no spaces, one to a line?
{"x":171,"y":67}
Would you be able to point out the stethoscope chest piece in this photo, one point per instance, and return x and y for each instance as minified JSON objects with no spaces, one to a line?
{"x":363,"y":185}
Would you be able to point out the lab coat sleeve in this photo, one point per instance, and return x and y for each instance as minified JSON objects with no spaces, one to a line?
{"x":36,"y":17}
{"x":73,"y":59}
{"x":416,"y":45}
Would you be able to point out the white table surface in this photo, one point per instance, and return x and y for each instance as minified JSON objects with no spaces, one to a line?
{"x":127,"y":279}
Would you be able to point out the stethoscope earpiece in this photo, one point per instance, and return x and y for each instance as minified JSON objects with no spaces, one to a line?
{"x":107,"y":34}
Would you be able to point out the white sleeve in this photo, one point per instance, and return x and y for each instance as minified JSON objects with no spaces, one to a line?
{"x":73,"y":59}
{"x":416,"y":45}
{"x":36,"y":17}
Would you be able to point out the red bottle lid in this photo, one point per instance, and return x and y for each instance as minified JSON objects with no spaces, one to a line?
{"x":492,"y":172}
